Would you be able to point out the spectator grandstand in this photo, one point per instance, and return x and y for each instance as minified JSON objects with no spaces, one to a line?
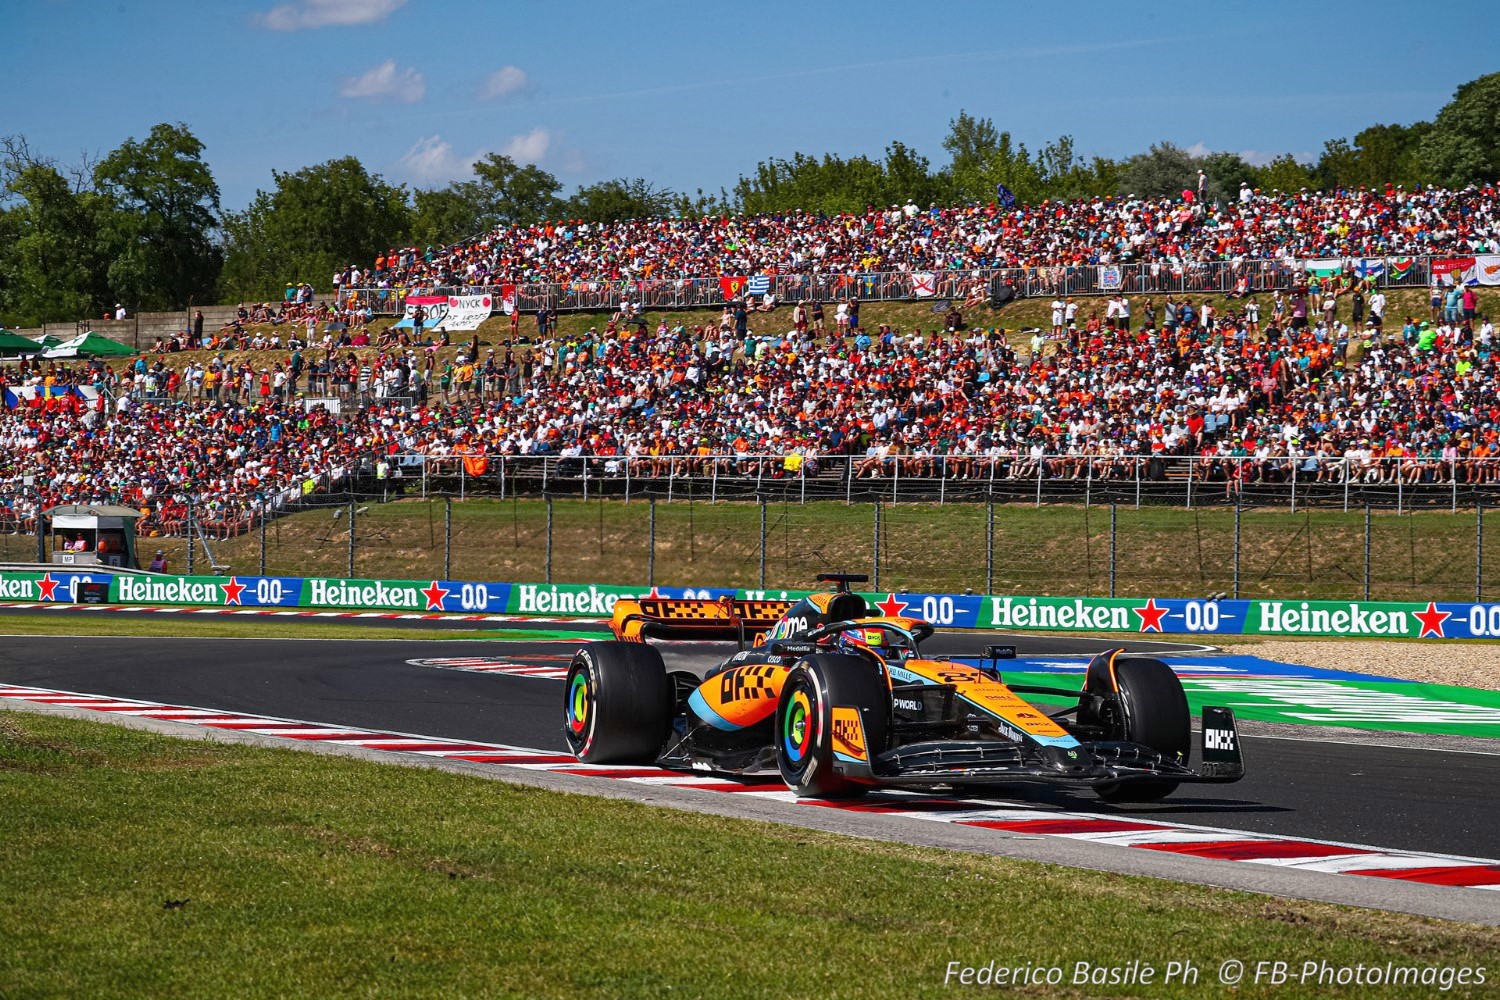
{"x":1165,"y":235}
{"x":1261,"y":391}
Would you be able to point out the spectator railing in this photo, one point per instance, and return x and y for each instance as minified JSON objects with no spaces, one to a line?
{"x":1205,"y":277}
{"x":1304,"y":480}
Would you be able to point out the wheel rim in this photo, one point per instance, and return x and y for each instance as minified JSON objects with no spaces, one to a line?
{"x":578,"y":704}
{"x":798,"y":728}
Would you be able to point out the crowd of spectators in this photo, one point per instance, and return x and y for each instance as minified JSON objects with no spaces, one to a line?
{"x":1262,"y":391}
{"x":1166,"y":232}
{"x":1320,"y":383}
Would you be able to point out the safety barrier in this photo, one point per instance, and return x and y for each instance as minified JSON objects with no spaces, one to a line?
{"x":1208,"y":616}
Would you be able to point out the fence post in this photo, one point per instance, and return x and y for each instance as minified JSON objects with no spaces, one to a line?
{"x":1294,"y":486}
{"x":628,"y":464}
{"x":424,"y":477}
{"x":351,"y":539}
{"x":651,"y":543}
{"x":1041,"y":468}
{"x":989,"y":548}
{"x":1479,"y":550}
{"x":1367,"y":550}
{"x":1113,"y":540}
{"x":262,"y":542}
{"x":1137,"y":463}
{"x":1190,"y":485}
{"x":1398,"y":490}
{"x":190,"y":514}
{"x":1237,"y":505}
{"x":41,"y":535}
{"x":549,"y":539}
{"x":762,"y":542}
{"x":463,"y":476}
{"x":875,"y":573}
{"x":447,"y":538}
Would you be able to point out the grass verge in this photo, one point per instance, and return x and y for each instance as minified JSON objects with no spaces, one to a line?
{"x":139,"y":864}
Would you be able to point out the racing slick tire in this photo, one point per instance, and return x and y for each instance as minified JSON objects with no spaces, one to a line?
{"x":805,"y":727}
{"x":619,"y":704}
{"x":1155,"y":714}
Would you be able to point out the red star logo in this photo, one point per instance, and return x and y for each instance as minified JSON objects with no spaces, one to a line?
{"x":48,"y":587}
{"x":890,"y":607}
{"x":434,"y":595}
{"x":1432,"y":621}
{"x":655,"y":595}
{"x":232,"y":590}
{"x":1150,"y":616}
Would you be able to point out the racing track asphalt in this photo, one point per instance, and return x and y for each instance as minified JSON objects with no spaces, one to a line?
{"x":1409,"y":799}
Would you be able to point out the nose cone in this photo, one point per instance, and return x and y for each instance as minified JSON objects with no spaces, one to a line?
{"x":1069,"y":760}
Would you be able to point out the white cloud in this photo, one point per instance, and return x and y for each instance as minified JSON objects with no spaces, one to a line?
{"x":528,"y":148}
{"x":1197,"y":149}
{"x":506,"y":80}
{"x":320,"y":13}
{"x":385,"y":81}
{"x":431,"y":159}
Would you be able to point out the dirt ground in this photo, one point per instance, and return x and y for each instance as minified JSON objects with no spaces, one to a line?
{"x":1466,"y":664}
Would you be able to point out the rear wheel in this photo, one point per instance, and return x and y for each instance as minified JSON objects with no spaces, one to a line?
{"x":833,"y":717}
{"x":1151,"y":710}
{"x":619,"y":704}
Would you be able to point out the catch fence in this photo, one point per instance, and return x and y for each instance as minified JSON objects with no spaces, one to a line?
{"x":529,"y":519}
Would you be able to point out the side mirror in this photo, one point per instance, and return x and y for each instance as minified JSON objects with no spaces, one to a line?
{"x":999,"y":652}
{"x":787,"y":647}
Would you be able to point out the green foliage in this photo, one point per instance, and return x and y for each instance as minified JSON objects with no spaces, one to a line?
{"x":51,"y":260}
{"x":1165,"y":170}
{"x":1463,"y":146}
{"x":608,"y":201}
{"x":1285,"y":173}
{"x":317,"y":220}
{"x":165,"y":206}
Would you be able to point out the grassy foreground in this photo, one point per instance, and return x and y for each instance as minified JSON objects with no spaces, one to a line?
{"x":138,"y":864}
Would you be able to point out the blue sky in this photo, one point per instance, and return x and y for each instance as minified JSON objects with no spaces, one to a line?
{"x":691,"y":95}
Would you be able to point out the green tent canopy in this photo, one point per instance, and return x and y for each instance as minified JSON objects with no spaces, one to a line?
{"x":90,"y":345}
{"x":13,"y":343}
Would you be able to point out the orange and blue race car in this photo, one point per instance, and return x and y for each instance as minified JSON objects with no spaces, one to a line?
{"x":840,"y":701}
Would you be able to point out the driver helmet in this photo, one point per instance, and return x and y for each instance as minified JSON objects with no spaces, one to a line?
{"x":876,"y":640}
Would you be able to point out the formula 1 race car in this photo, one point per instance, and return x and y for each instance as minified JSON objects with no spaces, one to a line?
{"x":840,"y":701}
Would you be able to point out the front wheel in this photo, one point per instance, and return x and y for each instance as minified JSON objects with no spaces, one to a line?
{"x":832,"y":720}
{"x":1151,"y":710}
{"x":619,"y":704}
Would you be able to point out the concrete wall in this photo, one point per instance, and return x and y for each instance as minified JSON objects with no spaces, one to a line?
{"x":139,"y":331}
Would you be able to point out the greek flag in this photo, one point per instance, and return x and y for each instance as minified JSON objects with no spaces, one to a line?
{"x":758,"y":284}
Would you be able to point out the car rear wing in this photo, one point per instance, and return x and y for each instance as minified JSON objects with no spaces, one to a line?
{"x":724,"y":620}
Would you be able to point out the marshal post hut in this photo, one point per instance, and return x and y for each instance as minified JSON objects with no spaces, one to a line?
{"x":93,"y":535}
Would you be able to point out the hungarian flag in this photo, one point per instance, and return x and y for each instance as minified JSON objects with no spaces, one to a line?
{"x":731,"y":287}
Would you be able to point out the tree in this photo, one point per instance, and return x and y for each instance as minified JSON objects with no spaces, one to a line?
{"x":972,"y":143}
{"x":1226,"y":172}
{"x":611,"y":201}
{"x":1285,"y":174}
{"x":165,"y":210}
{"x":1463,"y":146}
{"x":1166,"y":170}
{"x":515,"y":195}
{"x":446,"y":215}
{"x":51,"y":265}
{"x":318,"y":220}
